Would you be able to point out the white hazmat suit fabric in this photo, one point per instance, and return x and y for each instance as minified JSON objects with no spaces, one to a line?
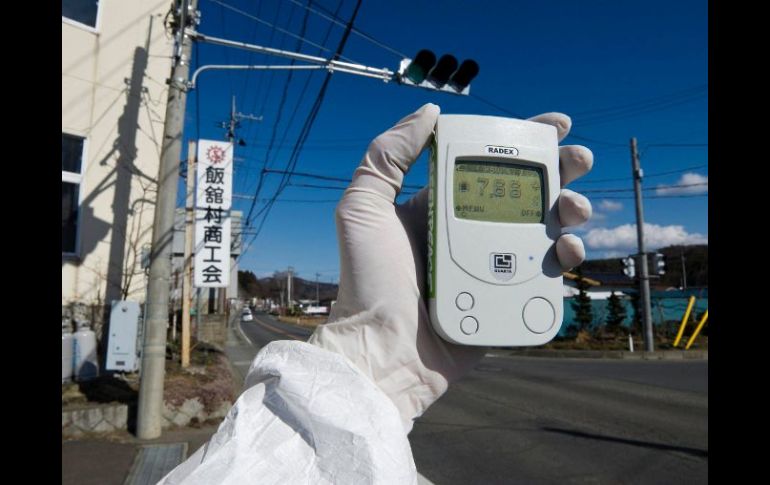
{"x":338,"y":408}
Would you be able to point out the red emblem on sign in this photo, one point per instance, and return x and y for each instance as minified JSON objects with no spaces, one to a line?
{"x":215,"y":154}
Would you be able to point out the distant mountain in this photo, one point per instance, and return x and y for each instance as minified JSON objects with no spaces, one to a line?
{"x":250,"y":286}
{"x":695,"y":263}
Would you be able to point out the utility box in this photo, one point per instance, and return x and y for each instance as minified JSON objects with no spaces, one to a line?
{"x":122,"y":352}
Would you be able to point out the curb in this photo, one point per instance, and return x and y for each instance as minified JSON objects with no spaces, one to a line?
{"x":606,"y":354}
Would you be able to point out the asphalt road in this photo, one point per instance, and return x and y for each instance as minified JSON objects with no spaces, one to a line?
{"x":264,"y":329}
{"x":535,"y":420}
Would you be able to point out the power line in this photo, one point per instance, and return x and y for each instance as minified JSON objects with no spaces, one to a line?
{"x":408,"y":191}
{"x":334,"y":19}
{"x":642,"y":104}
{"x":686,"y":196}
{"x":673,"y":145}
{"x":282,"y":103}
{"x":227,"y":52}
{"x":314,"y":111}
{"x":660,"y":187}
{"x":327,"y":177}
{"x":657,"y":174}
{"x":677,"y":145}
{"x":313,"y":186}
{"x":251,"y":53}
{"x":635,"y":112}
{"x":283,"y":31}
{"x":520,"y":116}
{"x":305,"y":131}
{"x":674,"y":95}
{"x":270,"y":79}
{"x":496,"y":106}
{"x":270,"y":84}
{"x":305,"y":87}
{"x":660,"y":174}
{"x":296,"y":201}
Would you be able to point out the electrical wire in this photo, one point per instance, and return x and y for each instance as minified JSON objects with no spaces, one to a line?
{"x":283,"y":31}
{"x":660,"y":187}
{"x":301,"y":96}
{"x":645,"y":102}
{"x":335,"y":20}
{"x":330,"y":178}
{"x":281,"y":105}
{"x":685,"y":196}
{"x":305,"y":131}
{"x":646,"y":176}
{"x":520,"y":116}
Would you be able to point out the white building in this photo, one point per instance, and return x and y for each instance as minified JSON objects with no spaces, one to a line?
{"x":116,"y":56}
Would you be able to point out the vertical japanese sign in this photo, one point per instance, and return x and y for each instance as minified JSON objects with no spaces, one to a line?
{"x":213,"y":198}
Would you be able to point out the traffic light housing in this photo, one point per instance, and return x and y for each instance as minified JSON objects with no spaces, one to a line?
{"x":418,"y":69}
{"x":462,"y":78}
{"x":629,"y":266}
{"x":442,"y":75}
{"x":442,"y":71}
{"x":660,"y":263}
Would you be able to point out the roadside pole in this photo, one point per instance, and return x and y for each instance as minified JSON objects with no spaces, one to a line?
{"x":188,"y":249}
{"x":150,"y":405}
{"x":644,"y":275}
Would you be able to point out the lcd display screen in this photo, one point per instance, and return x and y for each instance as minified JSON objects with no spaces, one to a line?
{"x":498,"y":192}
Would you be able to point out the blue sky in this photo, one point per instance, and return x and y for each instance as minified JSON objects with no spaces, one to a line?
{"x":619,"y":69}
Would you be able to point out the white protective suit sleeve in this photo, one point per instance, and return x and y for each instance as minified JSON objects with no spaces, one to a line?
{"x":338,"y":408}
{"x":306,"y":416}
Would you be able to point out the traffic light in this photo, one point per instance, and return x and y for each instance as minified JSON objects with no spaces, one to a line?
{"x":445,"y":75}
{"x":462,"y":78}
{"x":444,"y":68}
{"x":629,"y":266}
{"x":660,"y":263}
{"x":418,"y":69}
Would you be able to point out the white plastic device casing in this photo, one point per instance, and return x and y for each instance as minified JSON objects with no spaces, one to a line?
{"x":471,"y":303}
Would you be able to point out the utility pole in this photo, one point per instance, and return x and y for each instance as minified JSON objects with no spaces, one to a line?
{"x":317,"y":298}
{"x":231,"y":125}
{"x":150,"y":406}
{"x":235,"y":122}
{"x":644,"y":278}
{"x":188,"y":249}
{"x":684,"y":269}
{"x":289,"y":278}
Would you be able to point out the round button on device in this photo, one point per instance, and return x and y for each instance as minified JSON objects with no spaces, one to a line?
{"x":464,"y":301}
{"x":539,"y":315}
{"x":469,"y":325}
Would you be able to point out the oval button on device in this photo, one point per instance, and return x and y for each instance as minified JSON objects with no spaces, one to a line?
{"x":464,"y":301}
{"x":469,"y":325}
{"x":539,"y":315}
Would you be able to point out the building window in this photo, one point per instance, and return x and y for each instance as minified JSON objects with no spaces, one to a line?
{"x":81,"y":11}
{"x":71,"y":167}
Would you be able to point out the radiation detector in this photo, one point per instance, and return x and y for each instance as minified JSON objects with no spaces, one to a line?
{"x":493,"y":275}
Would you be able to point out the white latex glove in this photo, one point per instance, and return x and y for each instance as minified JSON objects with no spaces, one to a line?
{"x":381,"y":320}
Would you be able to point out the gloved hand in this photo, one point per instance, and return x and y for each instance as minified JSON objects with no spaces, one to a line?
{"x":381,"y":321}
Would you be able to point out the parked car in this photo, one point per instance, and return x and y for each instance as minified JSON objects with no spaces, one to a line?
{"x":246,"y":315}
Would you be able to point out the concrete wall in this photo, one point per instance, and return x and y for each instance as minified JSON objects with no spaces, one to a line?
{"x":114,"y":95}
{"x":213,"y":330}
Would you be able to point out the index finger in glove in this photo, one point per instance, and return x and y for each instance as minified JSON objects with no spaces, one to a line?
{"x":392,"y":153}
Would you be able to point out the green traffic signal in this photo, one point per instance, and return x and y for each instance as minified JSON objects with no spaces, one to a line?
{"x":422,"y":64}
{"x":444,"y":75}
